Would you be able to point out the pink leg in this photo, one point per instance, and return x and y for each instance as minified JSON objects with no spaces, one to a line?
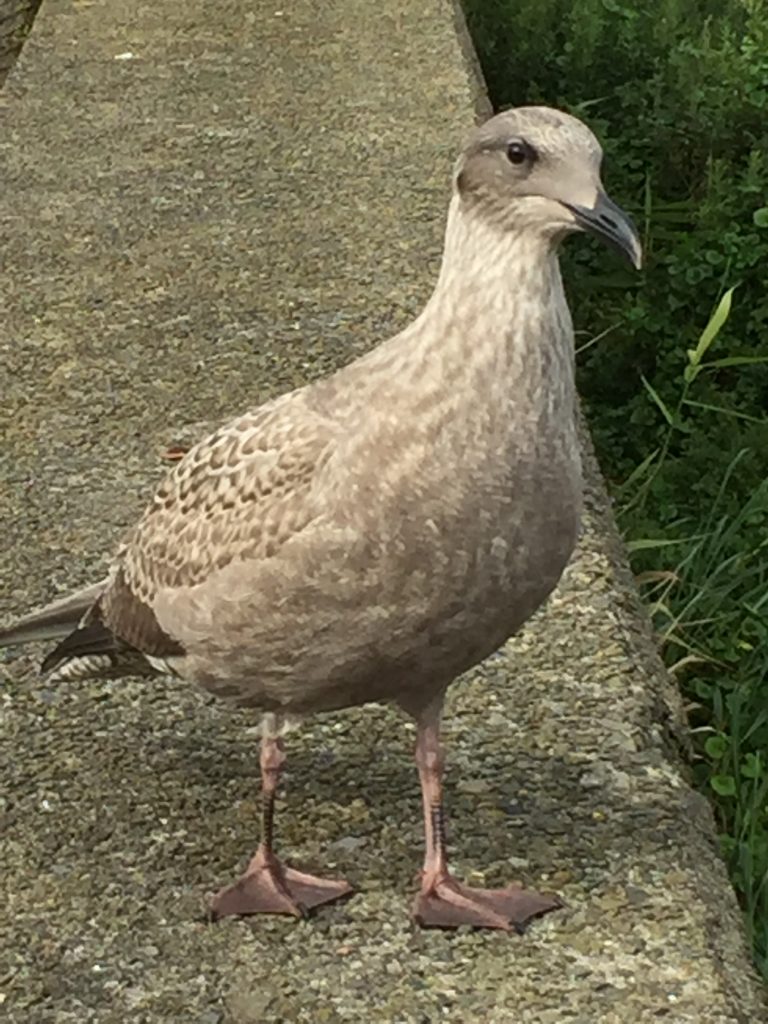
{"x":444,"y":902}
{"x":267,"y":886}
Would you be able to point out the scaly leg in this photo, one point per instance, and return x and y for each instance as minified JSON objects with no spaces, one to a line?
{"x":444,"y":902}
{"x":267,"y":886}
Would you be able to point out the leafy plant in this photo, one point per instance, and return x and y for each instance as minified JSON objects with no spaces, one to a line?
{"x":678,"y":92}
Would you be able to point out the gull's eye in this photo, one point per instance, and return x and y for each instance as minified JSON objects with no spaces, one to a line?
{"x":519,"y":152}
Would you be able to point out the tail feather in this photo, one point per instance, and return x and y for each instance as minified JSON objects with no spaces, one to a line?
{"x":56,"y":620}
{"x":93,"y":640}
{"x":92,"y":651}
{"x":87,"y":648}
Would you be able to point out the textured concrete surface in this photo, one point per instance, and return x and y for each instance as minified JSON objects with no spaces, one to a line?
{"x":16,"y":19}
{"x":252,"y":197}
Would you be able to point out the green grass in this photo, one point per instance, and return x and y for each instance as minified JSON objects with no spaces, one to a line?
{"x":705,"y":578}
{"x":709,"y":608}
{"x":675,"y":378}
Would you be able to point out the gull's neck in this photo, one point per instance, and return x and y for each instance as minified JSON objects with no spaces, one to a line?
{"x":496,"y":285}
{"x":494,"y":340}
{"x":497,"y":320}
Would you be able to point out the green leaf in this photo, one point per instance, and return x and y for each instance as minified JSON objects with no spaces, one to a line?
{"x":703,"y":689}
{"x":723,"y":410}
{"x":639,"y":471}
{"x":734,"y":361}
{"x":651,"y":543}
{"x":727,"y":843}
{"x":724,"y":785}
{"x":657,"y":399}
{"x":751,"y":768}
{"x":717,"y":747}
{"x":760,"y":217}
{"x":713,"y":328}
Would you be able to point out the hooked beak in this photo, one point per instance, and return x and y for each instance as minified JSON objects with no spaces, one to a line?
{"x":608,"y":221}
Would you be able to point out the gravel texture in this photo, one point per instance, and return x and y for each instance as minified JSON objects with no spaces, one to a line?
{"x":252,"y":197}
{"x":16,"y":19}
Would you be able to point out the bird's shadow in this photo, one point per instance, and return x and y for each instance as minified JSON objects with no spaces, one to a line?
{"x":350,"y":800}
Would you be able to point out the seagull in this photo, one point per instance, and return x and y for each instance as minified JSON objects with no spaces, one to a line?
{"x":371,"y":536}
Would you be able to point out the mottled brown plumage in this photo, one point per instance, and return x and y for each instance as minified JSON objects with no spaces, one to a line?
{"x":374,"y":534}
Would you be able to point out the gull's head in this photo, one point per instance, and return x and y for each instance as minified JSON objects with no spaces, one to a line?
{"x":537,"y":169}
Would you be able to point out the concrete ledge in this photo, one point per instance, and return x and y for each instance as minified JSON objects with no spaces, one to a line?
{"x":16,"y":18}
{"x":253,"y":196}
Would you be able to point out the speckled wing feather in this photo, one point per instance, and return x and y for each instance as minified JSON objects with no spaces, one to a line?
{"x":237,"y":495}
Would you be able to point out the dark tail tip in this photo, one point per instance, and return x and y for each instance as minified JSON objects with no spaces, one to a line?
{"x":91,"y":639}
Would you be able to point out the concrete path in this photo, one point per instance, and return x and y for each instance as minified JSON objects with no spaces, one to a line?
{"x":16,"y":19}
{"x":202,"y":205}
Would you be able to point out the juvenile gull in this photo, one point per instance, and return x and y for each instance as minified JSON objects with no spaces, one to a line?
{"x":371,"y":536}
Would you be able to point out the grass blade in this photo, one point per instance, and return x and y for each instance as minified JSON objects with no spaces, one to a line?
{"x":712,"y":329}
{"x":658,"y":400}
